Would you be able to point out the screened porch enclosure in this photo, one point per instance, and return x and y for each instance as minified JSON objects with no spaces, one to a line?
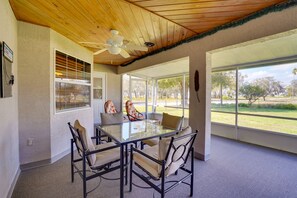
{"x":158,"y":89}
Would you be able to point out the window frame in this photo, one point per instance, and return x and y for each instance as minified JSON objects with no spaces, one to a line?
{"x":154,"y":90}
{"x":71,"y":81}
{"x":260,"y":64}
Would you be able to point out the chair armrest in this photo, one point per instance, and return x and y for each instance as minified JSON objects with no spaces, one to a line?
{"x":131,"y":116}
{"x":139,"y":112}
{"x":101,"y":150}
{"x":149,"y":157}
{"x":97,"y":137}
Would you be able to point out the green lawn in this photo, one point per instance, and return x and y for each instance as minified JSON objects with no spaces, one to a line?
{"x":172,"y":111}
{"x":259,"y":111}
{"x":269,"y":124}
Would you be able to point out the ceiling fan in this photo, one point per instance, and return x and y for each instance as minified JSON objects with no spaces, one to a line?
{"x":115,"y":45}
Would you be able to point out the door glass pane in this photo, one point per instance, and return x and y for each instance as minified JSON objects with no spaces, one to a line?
{"x":97,"y":88}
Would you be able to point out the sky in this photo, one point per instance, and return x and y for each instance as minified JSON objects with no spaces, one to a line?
{"x":282,"y":73}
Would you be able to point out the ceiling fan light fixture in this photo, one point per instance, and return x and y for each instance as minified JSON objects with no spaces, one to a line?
{"x":114,"y":50}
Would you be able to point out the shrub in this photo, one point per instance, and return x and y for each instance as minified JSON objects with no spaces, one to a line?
{"x":243,"y":105}
{"x":278,"y":106}
{"x":285,"y":106}
{"x":270,"y":106}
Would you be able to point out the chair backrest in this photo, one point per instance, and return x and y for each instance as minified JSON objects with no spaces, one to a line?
{"x":82,"y":141}
{"x":109,"y":107}
{"x":175,"y":150}
{"x":111,"y":118}
{"x":132,"y":113}
{"x":172,"y":122}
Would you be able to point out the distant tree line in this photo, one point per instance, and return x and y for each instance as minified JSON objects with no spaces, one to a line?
{"x":252,"y":91}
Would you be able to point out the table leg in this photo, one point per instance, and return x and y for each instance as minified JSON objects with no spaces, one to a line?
{"x":97,"y":136}
{"x":122,"y":171}
{"x":126,"y":164}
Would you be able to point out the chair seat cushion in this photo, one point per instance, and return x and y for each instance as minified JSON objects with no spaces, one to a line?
{"x":146,"y":164}
{"x":151,"y":142}
{"x":107,"y":156}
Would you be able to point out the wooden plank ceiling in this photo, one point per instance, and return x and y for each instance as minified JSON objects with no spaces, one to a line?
{"x":163,"y":22}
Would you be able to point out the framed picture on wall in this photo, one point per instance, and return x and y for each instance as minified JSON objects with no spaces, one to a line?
{"x":7,"y":79}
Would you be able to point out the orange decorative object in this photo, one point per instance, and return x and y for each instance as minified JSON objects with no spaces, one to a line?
{"x":132,"y":113}
{"x":109,"y":107}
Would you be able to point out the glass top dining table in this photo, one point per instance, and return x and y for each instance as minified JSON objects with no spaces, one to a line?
{"x":135,"y":131}
{"x":132,"y":132}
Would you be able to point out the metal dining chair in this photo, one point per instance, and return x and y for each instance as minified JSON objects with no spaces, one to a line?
{"x":168,"y":121}
{"x":163,"y":160}
{"x":100,"y":159}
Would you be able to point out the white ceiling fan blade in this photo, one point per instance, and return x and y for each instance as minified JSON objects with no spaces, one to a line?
{"x":124,"y":53}
{"x":100,"y":51}
{"x":92,"y":44}
{"x":135,"y":47}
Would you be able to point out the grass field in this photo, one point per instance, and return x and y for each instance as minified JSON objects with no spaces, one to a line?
{"x":269,"y":124}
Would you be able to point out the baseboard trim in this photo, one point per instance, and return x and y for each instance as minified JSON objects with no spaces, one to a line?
{"x":37,"y":164}
{"x":202,"y":157}
{"x":12,"y":186}
{"x":45,"y":162}
{"x":60,"y":155}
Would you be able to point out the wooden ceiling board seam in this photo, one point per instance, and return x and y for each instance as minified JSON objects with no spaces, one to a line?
{"x":127,"y":30}
{"x":139,"y":34}
{"x":164,"y":32}
{"x":228,"y":3}
{"x":205,"y":19}
{"x":22,"y":14}
{"x":135,"y":28}
{"x":176,"y":36}
{"x":170,"y":30}
{"x":156,"y":26}
{"x":148,"y":26}
{"x":81,"y":21}
{"x":56,"y":28}
{"x":209,"y":15}
{"x":168,"y":2}
{"x":124,"y":29}
{"x":102,"y":26}
{"x":153,"y":12}
{"x":210,"y":10}
{"x":139,"y":20}
{"x":205,"y":23}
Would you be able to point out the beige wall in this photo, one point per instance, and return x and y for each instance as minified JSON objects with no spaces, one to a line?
{"x":9,"y":136}
{"x":38,"y":119}
{"x":60,"y":134}
{"x":113,"y":84}
{"x":34,"y":92}
{"x":200,"y":112}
